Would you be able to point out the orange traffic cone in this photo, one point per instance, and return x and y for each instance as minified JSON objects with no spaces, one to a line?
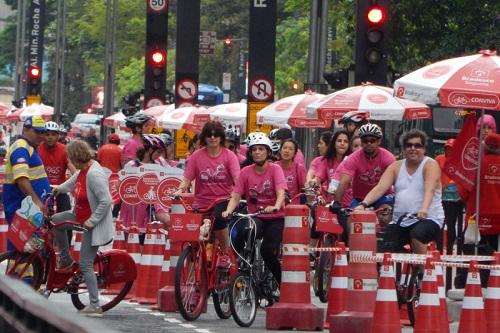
{"x":4,"y":228}
{"x":338,"y":287}
{"x":428,"y":312}
{"x":76,"y":244}
{"x":119,"y":242}
{"x":445,"y":323}
{"x":472,"y":318}
{"x":134,"y":250}
{"x":386,"y":315}
{"x":492,"y":298}
{"x":403,"y":310}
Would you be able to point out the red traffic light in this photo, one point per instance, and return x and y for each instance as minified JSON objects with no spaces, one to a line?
{"x":228,"y":42}
{"x":376,"y":15}
{"x":157,"y":58}
{"x":34,"y":72}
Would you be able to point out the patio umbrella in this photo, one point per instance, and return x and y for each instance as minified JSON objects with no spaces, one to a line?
{"x":377,"y":100}
{"x":470,"y":82}
{"x":232,"y":113}
{"x":116,"y":120}
{"x":292,"y":111}
{"x":157,"y":111}
{"x":181,"y":118}
{"x":32,"y":110}
{"x":4,"y":110}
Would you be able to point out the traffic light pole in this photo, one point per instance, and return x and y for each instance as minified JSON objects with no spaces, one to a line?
{"x":60,"y":48}
{"x":20,"y":39}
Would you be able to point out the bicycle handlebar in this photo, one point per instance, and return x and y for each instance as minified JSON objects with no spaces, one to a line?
{"x":259,"y":212}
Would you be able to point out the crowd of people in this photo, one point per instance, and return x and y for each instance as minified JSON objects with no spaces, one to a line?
{"x":351,"y":170}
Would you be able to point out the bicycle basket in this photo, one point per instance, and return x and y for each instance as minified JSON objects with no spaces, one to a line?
{"x":185,"y":227}
{"x":22,"y":234}
{"x":326,"y":221}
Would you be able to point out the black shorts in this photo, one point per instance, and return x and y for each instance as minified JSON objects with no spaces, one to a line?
{"x":220,"y":222}
{"x":424,"y":231}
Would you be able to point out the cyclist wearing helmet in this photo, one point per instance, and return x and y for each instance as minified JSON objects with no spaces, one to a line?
{"x":365,"y":167}
{"x":215,"y":170}
{"x":139,"y":124}
{"x":167,"y":151}
{"x":56,"y":162}
{"x":353,"y":120}
{"x":233,"y":140}
{"x":63,"y":134}
{"x":286,"y":133}
{"x":263,"y":184}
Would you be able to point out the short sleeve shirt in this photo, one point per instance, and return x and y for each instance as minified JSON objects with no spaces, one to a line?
{"x":55,"y":161}
{"x":295,"y":177}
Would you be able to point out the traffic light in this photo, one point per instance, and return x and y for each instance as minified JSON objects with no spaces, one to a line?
{"x":157,"y":60}
{"x":338,"y":79}
{"x":372,"y":41}
{"x":34,"y":81}
{"x":228,"y":42}
{"x":295,"y":85}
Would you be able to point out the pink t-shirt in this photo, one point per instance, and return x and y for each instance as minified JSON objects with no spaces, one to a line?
{"x":134,"y":214}
{"x":324,"y":169}
{"x":130,"y":149}
{"x":213,"y":175}
{"x":299,"y":158}
{"x":295,"y":177}
{"x":260,"y":189}
{"x":243,"y":150}
{"x":366,"y":172}
{"x":347,"y":199}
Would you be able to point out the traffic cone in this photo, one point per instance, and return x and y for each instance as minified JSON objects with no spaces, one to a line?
{"x":119,"y":242}
{"x":76,"y":244}
{"x":134,"y":250}
{"x":165,"y":269}
{"x":428,"y":310}
{"x":148,"y":279}
{"x":338,"y":287}
{"x":443,"y":307}
{"x":473,"y":318}
{"x":4,"y":228}
{"x":166,"y":295}
{"x":386,"y":315}
{"x":492,"y":298}
{"x":403,"y":310}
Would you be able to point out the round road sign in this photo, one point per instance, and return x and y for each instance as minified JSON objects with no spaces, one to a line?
{"x":128,"y":191}
{"x":153,"y":102}
{"x":166,"y":189}
{"x":261,"y":89}
{"x":146,"y":187}
{"x":157,"y":5}
{"x":187,"y":89}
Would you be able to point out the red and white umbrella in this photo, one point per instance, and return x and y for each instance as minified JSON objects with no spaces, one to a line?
{"x":291,"y":111}
{"x":116,"y":120}
{"x":4,"y":110}
{"x":377,"y":100}
{"x":32,"y":110}
{"x":181,"y":118}
{"x":469,"y":82}
{"x":159,"y":110}
{"x":232,"y":113}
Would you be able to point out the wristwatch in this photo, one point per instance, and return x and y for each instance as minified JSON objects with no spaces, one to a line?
{"x":364,"y":204}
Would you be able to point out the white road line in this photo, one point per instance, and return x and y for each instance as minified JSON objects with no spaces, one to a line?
{"x":172,"y":320}
{"x":143,"y":310}
{"x":187,"y":325}
{"x":202,"y":330}
{"x":158,"y":314}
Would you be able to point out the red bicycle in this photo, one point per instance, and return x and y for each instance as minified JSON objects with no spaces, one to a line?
{"x":196,"y":273}
{"x":114,"y":269}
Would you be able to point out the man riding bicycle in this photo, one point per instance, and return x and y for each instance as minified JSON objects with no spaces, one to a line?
{"x":417,"y":184}
{"x":353,"y":120}
{"x":263,"y":184}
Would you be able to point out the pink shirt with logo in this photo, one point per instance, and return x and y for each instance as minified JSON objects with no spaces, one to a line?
{"x":213,"y":175}
{"x":130,"y":149}
{"x":324,"y":169}
{"x":347,"y":199}
{"x":295,"y":177}
{"x":299,"y":158}
{"x":260,"y":189}
{"x":366,"y":172}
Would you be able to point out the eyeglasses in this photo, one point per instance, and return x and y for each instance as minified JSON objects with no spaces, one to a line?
{"x":414,"y":145}
{"x":212,"y":135}
{"x":369,"y":140}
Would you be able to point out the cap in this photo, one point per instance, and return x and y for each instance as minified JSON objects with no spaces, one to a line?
{"x":114,"y":137}
{"x":449,"y":143}
{"x":492,"y":141}
{"x":35,"y":122}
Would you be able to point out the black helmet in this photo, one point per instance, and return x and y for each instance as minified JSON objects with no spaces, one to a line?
{"x":137,"y":119}
{"x":232,"y":132}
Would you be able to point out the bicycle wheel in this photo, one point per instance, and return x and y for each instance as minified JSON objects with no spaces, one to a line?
{"x":220,"y":295}
{"x":242,"y":300}
{"x":413,"y":295}
{"x":80,"y":296}
{"x":326,"y":260}
{"x":27,"y":267}
{"x":191,"y":283}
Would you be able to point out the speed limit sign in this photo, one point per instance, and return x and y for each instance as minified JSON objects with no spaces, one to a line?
{"x":157,"y":5}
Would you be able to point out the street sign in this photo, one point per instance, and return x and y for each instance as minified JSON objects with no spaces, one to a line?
{"x":187,"y":89}
{"x":261,"y":89}
{"x":146,"y":187}
{"x":128,"y":191}
{"x":226,"y":81}
{"x":182,"y":137}
{"x":153,"y":102}
{"x":157,"y":5}
{"x":166,"y":190}
{"x":207,"y":42}
{"x":252,"y":126}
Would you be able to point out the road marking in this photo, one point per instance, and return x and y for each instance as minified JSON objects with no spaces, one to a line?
{"x":158,"y":314}
{"x":172,"y":320}
{"x":202,"y":330}
{"x":187,"y":325}
{"x":143,"y":310}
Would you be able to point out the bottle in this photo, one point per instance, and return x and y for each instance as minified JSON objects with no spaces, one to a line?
{"x":208,"y":250}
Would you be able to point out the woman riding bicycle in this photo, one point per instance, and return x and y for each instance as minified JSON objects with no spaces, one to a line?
{"x":214,"y":169}
{"x":89,"y":186}
{"x":295,"y":173}
{"x":263,"y":185}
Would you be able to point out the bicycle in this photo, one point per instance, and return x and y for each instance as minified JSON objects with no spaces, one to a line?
{"x":253,"y":285}
{"x":196,"y":273}
{"x":114,"y":268}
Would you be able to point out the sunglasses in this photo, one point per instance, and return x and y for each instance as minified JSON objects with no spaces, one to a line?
{"x":369,"y":140}
{"x":414,"y":145}
{"x":212,"y":135}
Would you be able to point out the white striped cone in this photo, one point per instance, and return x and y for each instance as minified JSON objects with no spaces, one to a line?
{"x":134,"y":250}
{"x":473,"y":318}
{"x":441,"y":292}
{"x":428,"y":313}
{"x":492,"y":298}
{"x":338,"y":288}
{"x":4,"y":228}
{"x":165,"y":268}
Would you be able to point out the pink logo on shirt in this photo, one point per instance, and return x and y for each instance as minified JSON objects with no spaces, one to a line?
{"x":219,"y":175}
{"x":371,"y":176}
{"x":265,"y":191}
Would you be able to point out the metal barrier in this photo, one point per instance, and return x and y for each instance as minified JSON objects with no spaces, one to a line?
{"x":23,"y":310}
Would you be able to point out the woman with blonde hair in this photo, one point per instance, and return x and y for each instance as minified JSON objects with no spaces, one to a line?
{"x":90,"y":189}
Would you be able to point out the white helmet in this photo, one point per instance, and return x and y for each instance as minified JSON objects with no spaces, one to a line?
{"x":273,"y":134}
{"x":275,"y":146}
{"x":52,"y":126}
{"x":258,"y":138}
{"x":251,"y":136}
{"x":370,"y":130}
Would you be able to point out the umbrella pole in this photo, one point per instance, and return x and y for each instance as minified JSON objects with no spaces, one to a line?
{"x":478,"y":181}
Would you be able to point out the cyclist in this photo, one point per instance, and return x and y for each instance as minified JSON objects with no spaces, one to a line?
{"x":215,"y":170}
{"x":324,"y":140}
{"x":353,"y":120}
{"x":63,"y":135}
{"x":285,"y":133}
{"x":166,"y":152}
{"x":139,"y":124}
{"x":233,"y":140}
{"x":295,"y":173}
{"x":364,"y":168}
{"x":417,"y":184}
{"x":263,"y":185}
{"x":275,"y":144}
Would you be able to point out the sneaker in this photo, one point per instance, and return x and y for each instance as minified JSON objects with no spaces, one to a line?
{"x":64,"y":264}
{"x":223,"y":261}
{"x":91,"y":311}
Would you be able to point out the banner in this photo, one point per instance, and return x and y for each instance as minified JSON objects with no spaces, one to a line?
{"x":461,"y":166}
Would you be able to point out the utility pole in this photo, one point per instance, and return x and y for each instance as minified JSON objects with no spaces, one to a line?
{"x":60,"y":52}
{"x":109,"y":62}
{"x":20,"y":45}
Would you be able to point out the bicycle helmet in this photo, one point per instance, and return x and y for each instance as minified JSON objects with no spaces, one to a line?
{"x":137,"y":119}
{"x":275,"y":146}
{"x":357,"y":117}
{"x":232,"y":132}
{"x":152,"y":141}
{"x":260,"y":139}
{"x":166,"y":139}
{"x":63,"y":129}
{"x":251,"y":136}
{"x":52,"y":126}
{"x":273,"y":135}
{"x":370,"y":130}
